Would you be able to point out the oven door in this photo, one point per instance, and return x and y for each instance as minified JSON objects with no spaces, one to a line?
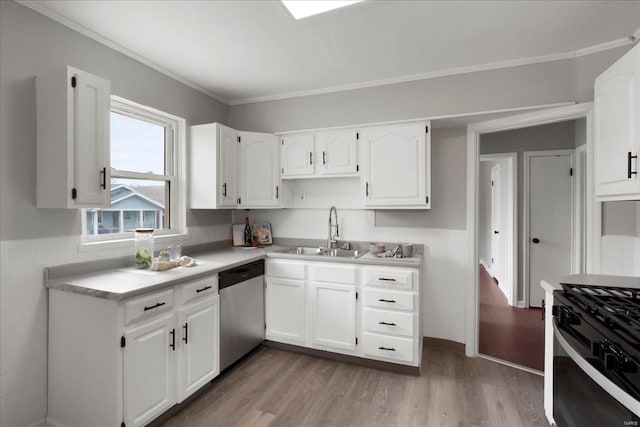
{"x":582,"y":396}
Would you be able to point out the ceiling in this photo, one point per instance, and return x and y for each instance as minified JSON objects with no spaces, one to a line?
{"x":242,"y":51}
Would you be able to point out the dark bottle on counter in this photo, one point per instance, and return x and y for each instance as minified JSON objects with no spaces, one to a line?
{"x":247,"y":233}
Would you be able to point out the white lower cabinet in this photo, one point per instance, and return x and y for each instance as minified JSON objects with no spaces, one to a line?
{"x":126,"y":362}
{"x":199,"y":360}
{"x":149,"y":369}
{"x":345,"y":308}
{"x":285,"y":310}
{"x":334,"y":315}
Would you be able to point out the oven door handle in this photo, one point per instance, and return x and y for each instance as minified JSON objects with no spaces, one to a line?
{"x":613,"y":389}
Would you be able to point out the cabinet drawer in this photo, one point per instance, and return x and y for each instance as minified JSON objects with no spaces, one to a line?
{"x":335,"y":274}
{"x":286,"y":270}
{"x":388,"y":347}
{"x":148,"y":305}
{"x":388,"y":322}
{"x":391,"y":278}
{"x":385,"y":299}
{"x":200,"y":288}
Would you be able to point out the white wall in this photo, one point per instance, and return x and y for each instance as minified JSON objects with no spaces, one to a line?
{"x":621,"y":238}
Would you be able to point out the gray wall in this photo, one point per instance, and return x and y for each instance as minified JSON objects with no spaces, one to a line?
{"x":31,"y":43}
{"x":621,"y":218}
{"x":555,"y":136}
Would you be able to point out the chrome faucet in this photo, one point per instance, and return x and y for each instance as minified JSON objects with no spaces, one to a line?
{"x":331,"y":240}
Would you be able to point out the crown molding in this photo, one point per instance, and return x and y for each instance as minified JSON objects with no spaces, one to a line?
{"x":44,"y":10}
{"x":450,"y":72}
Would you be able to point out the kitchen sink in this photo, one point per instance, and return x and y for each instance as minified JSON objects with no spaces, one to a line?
{"x":329,"y":252}
{"x":344,"y":253}
{"x":302,"y":251}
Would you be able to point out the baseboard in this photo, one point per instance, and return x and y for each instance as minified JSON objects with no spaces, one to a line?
{"x":445,"y":344}
{"x":355,"y":360}
{"x":484,"y":264}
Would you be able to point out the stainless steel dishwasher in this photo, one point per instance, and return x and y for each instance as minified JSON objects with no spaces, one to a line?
{"x":241,"y":311}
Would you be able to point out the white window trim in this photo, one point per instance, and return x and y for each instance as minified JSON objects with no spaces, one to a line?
{"x":178,"y":187}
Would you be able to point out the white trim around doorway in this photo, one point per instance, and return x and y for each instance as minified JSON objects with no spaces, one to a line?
{"x":551,"y":115}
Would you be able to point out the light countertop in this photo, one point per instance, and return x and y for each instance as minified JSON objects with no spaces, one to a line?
{"x":118,"y":282}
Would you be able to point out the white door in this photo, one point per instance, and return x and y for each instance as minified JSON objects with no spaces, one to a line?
{"x":337,"y":152}
{"x":297,"y":156}
{"x":149,"y":370}
{"x":496,"y":225}
{"x":92,"y":106}
{"x":617,"y":128}
{"x":228,"y":152}
{"x":334,"y":315}
{"x":550,"y":210}
{"x":396,"y":165}
{"x":199,"y":326}
{"x":285,"y":310}
{"x":259,"y":173}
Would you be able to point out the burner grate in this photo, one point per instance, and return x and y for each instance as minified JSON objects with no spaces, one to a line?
{"x":617,"y":308}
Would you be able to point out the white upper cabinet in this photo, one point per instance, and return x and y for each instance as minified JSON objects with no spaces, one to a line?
{"x":296,"y":153}
{"x":213,"y":167}
{"x":617,"y":129}
{"x":259,"y":173}
{"x":337,"y":152}
{"x":397,"y":166}
{"x":73,"y":122}
{"x":330,"y":153}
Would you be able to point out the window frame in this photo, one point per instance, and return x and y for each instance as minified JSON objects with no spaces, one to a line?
{"x":175,"y":173}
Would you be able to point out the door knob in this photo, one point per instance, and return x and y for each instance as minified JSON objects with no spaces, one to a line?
{"x":496,"y":232}
{"x":535,"y":240}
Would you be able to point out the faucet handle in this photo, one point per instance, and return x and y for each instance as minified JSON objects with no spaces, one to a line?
{"x":346,"y":245}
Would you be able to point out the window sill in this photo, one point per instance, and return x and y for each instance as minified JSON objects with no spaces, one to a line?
{"x":99,"y":245}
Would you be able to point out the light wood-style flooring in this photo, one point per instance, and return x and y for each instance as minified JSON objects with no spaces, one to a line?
{"x":280,"y":388}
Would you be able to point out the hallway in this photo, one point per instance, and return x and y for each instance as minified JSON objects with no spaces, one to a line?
{"x":508,"y":333}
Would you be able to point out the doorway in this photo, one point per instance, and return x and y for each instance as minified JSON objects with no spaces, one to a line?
{"x":593,"y":209}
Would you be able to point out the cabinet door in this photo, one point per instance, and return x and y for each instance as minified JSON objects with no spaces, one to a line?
{"x":259,"y":173}
{"x":91,"y":125}
{"x":334,"y":316}
{"x":337,"y":152}
{"x":617,"y":128}
{"x":199,"y":326}
{"x":227,"y":166}
{"x":297,"y":156}
{"x":285,"y":310}
{"x":149,"y":370}
{"x":397,"y":161}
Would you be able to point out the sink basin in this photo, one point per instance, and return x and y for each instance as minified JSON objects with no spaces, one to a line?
{"x":330,"y":252}
{"x":302,"y":251}
{"x":344,"y":253}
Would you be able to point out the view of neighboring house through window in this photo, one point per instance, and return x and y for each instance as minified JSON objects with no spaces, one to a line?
{"x":142,"y":173}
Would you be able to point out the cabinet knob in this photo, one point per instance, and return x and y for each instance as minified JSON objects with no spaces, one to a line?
{"x":535,"y":240}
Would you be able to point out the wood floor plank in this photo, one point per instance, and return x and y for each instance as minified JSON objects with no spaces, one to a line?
{"x":279,"y":388}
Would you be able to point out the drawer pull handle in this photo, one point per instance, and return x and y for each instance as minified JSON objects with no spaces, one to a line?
{"x":203,"y":289}
{"x":386,"y":279}
{"x":186,"y":333}
{"x":173,"y":339}
{"x":387,"y":323}
{"x":151,"y":307}
{"x":386,"y":349}
{"x":387,"y":300}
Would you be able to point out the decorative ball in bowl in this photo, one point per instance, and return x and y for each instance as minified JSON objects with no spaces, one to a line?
{"x":376,"y":248}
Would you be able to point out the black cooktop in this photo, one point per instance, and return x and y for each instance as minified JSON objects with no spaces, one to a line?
{"x":617,"y":309}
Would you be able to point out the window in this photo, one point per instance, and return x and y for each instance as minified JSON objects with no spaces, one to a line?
{"x":146,"y":145}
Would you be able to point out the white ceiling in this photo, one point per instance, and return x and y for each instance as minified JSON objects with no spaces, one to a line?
{"x":248,"y":50}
